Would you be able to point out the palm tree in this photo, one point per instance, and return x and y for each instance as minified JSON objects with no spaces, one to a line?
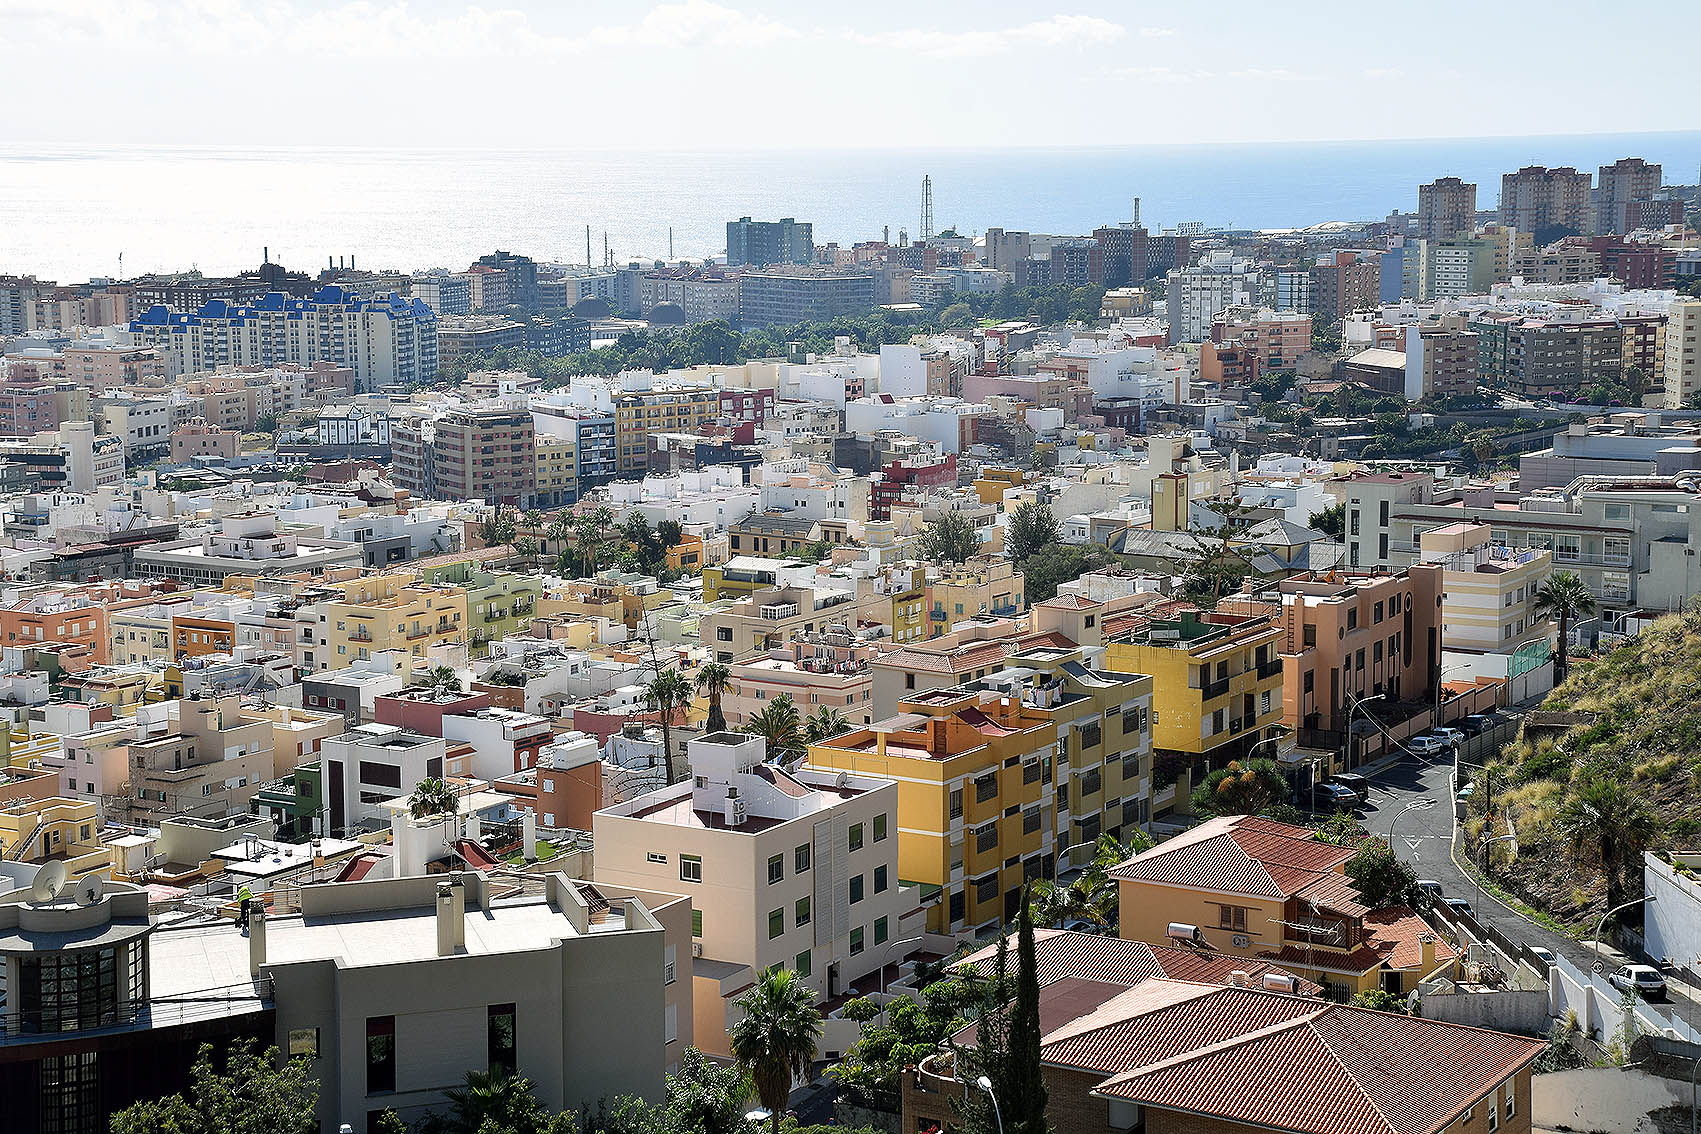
{"x":1092,"y":894}
{"x":826,"y":723}
{"x":778,"y":724}
{"x":432,"y":797}
{"x":1604,"y":817}
{"x":1563,"y":597}
{"x":667,"y":693}
{"x":526,"y":548}
{"x":497,"y":528}
{"x":555,"y":540}
{"x":442,"y":679}
{"x":497,"y":1096}
{"x":712,"y":678}
{"x":776,"y":1039}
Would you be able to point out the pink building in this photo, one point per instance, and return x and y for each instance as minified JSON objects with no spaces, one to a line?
{"x":818,"y":671}
{"x":198,"y":439}
{"x":27,"y":408}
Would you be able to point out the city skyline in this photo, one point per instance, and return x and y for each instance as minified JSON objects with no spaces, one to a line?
{"x":935,"y":74}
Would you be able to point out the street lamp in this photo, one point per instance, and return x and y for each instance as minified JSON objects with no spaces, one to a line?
{"x":1354,"y":705}
{"x":1602,"y":923}
{"x":886,"y":956}
{"x":985,"y":1084}
{"x":1426,"y":803}
{"x":1487,"y":845}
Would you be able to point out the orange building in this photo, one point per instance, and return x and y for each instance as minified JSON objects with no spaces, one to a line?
{"x":57,"y":618}
{"x":193,"y":635}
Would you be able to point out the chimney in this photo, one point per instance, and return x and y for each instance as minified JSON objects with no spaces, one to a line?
{"x":1426,"y":942}
{"x":256,"y":936}
{"x":451,"y":918}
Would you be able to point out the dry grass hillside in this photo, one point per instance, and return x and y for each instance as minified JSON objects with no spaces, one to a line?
{"x":1585,"y":803}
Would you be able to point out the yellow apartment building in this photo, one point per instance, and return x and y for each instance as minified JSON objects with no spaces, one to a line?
{"x":1216,"y":690}
{"x":557,"y":470}
{"x":55,"y":829}
{"x":392,"y":612}
{"x":1104,"y":743}
{"x":976,"y":809}
{"x":985,"y":585}
{"x":1249,"y":887}
{"x":993,"y":483}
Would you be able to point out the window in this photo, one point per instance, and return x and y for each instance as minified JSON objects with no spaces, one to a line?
{"x":380,"y":1054}
{"x":856,"y":940}
{"x":801,"y":912}
{"x":696,"y":923}
{"x":855,"y":889}
{"x":1030,"y":820}
{"x":380,"y":775}
{"x":986,"y":889}
{"x":1376,"y":613}
{"x":500,"y":1042}
{"x":1091,"y":733}
{"x":880,"y":931}
{"x":1493,"y":1115}
{"x":879,"y":827}
{"x":304,"y":1042}
{"x":986,"y":837}
{"x":956,"y":906}
{"x":723,"y":633}
{"x":856,"y":836}
{"x":776,"y":868}
{"x":803,"y":965}
{"x":956,"y":803}
{"x":690,"y":868}
{"x":1091,"y":781}
{"x":1232,"y":917}
{"x":70,"y":1093}
{"x":986,"y":788}
{"x":800,"y":859}
{"x":1310,"y":680}
{"x":776,"y":923}
{"x":879,"y":879}
{"x":1511,"y":1099}
{"x":909,"y":681}
{"x":1352,"y":618}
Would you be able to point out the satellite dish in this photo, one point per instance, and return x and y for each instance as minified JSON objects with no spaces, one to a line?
{"x":49,"y":880}
{"x":89,"y":890}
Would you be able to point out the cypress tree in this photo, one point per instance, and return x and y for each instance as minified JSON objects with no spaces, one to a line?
{"x":1024,"y":1085}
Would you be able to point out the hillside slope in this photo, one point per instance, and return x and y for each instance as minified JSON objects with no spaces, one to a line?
{"x":1585,"y":803}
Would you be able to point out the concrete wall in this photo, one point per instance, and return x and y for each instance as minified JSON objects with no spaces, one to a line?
{"x":1521,"y":1012}
{"x":1601,"y":1098}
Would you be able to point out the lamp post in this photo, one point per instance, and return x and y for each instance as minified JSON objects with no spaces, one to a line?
{"x":1599,"y":925}
{"x":1354,"y":705}
{"x":985,"y":1084}
{"x":1487,"y":845}
{"x":1427,"y":803}
{"x":886,"y":956}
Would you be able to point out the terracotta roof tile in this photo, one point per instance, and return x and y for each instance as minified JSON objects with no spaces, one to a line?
{"x":1060,"y":953}
{"x":1397,"y":933}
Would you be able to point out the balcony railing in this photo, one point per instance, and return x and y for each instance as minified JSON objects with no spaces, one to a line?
{"x":1588,"y":559}
{"x":1269,"y":668}
{"x":1211,"y":690}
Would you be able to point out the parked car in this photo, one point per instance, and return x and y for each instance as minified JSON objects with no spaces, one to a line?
{"x":1426,"y":745}
{"x":1352,"y":781}
{"x":1429,"y":890}
{"x":1644,"y":980}
{"x":1477,"y":723}
{"x":1459,"y":906}
{"x":1337,"y":794}
{"x":1545,"y":956}
{"x":1080,"y":925}
{"x":1452,"y":736}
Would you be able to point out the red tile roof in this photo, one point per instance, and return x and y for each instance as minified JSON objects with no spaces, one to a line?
{"x":1063,"y":954}
{"x":1241,"y":854}
{"x":1284,"y":1062}
{"x":1397,"y":933}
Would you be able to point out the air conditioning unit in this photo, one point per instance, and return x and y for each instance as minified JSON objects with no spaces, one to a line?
{"x":696,"y":948}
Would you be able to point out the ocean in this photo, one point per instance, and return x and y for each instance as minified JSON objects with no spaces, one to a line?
{"x":70,"y":213}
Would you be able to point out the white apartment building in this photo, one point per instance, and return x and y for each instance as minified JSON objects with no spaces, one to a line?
{"x":143,"y":424}
{"x":796,"y":868}
{"x":812,"y":491}
{"x":1197,"y":295}
{"x":1491,"y":590}
{"x":1683,"y":352}
{"x":246,"y":543}
{"x":372,"y":763}
{"x":444,"y":294}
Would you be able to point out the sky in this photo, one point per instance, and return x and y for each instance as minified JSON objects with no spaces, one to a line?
{"x":736,"y":74}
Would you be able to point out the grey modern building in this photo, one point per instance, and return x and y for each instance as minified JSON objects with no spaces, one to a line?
{"x":759,"y":243}
{"x":801,"y":295}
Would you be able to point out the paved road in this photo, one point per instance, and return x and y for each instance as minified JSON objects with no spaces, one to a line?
{"x":1424,"y":839}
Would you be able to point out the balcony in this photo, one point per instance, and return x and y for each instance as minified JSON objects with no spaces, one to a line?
{"x":1211,"y":690}
{"x":496,"y":616}
{"x":1587,"y":559}
{"x":1271,"y":668}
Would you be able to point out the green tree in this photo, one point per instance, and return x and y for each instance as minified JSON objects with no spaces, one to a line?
{"x":779,"y":725}
{"x":1241,"y":789}
{"x":713,"y":678}
{"x":824,"y":724}
{"x":1604,"y":816}
{"x":1023,"y":1087}
{"x":900,"y":1036}
{"x":1217,"y":564}
{"x":950,"y":539}
{"x":497,"y":529}
{"x":252,"y":1092}
{"x":704,"y":1097}
{"x":667,"y":694}
{"x":1563,"y":597}
{"x":443,"y":679}
{"x":777,"y":1037}
{"x":638,"y":534}
{"x":957,"y":315}
{"x":1380,"y":878}
{"x":1380,"y":1000}
{"x":1046,"y":569}
{"x":1032,"y":528}
{"x":1092,"y":894}
{"x":670,"y":533}
{"x":1331,"y":521}
{"x":432,"y":796}
{"x":991,"y":1054}
{"x":267,"y":423}
{"x":494,"y":1100}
